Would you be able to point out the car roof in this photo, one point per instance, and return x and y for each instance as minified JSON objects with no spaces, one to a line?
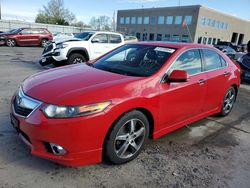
{"x":176,"y":45}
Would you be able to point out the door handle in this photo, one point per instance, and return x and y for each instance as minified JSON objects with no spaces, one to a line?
{"x":201,"y":81}
{"x":226,"y":73}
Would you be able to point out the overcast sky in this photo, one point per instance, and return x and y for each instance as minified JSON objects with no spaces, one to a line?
{"x":84,"y":9}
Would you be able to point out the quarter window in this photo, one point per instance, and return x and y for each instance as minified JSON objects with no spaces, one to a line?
{"x":212,"y":59}
{"x":189,"y":61}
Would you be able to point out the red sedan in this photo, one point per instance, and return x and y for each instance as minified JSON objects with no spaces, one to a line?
{"x":84,"y":113}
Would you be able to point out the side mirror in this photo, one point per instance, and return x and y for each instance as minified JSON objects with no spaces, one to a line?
{"x":178,"y":76}
{"x":95,"y":40}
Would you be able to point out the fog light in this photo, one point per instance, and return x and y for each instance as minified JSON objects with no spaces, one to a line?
{"x":57,"y":149}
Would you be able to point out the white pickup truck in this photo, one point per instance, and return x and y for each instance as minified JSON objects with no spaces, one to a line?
{"x":85,"y":46}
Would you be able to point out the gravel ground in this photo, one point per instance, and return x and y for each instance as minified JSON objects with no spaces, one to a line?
{"x":213,"y":152}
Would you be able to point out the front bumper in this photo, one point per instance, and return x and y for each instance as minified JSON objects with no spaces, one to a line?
{"x":81,"y":137}
{"x":51,"y":54}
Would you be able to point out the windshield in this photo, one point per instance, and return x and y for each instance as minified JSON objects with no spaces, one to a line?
{"x":135,"y":60}
{"x":84,"y":36}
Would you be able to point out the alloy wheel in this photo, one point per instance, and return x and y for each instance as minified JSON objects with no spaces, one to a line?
{"x":78,"y":60}
{"x":10,"y":42}
{"x":129,"y":138}
{"x":229,"y":100}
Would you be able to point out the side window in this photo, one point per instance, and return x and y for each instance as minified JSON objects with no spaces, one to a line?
{"x":115,"y":39}
{"x":189,"y":61}
{"x":212,"y":59}
{"x":100,"y":38}
{"x":25,"y":31}
{"x":34,"y":31}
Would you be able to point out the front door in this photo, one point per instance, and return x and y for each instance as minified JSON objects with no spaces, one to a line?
{"x":184,"y":100}
{"x":99,"y":46}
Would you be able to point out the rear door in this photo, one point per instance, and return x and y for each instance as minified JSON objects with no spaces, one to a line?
{"x":181,"y":101}
{"x":218,"y":74}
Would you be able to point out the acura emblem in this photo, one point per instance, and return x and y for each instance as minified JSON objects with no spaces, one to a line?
{"x":19,"y":101}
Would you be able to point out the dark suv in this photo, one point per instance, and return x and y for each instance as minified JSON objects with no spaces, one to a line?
{"x":26,"y":37}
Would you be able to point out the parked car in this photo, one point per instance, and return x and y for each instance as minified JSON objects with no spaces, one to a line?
{"x":106,"y":110}
{"x":230,"y":52}
{"x":26,"y":37}
{"x":225,"y":43}
{"x":85,"y":46}
{"x":244,"y":62}
{"x":130,"y":39}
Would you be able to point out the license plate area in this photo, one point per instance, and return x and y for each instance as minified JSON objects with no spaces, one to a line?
{"x":14,"y":122}
{"x":43,"y":59}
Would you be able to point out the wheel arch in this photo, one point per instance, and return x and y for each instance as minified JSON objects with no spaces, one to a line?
{"x":82,"y":51}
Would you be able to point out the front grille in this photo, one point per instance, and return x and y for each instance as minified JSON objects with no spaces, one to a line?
{"x":22,"y":111}
{"x":24,"y":105}
{"x":48,"y":48}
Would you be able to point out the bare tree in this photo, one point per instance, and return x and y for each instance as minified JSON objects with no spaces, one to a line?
{"x":55,"y":13}
{"x":101,"y":23}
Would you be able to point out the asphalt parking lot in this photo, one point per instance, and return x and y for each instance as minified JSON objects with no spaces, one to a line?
{"x":213,"y":152}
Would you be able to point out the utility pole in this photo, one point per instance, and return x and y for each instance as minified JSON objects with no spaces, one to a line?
{"x":0,"y":11}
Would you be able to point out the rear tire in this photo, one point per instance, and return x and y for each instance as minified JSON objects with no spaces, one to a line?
{"x":76,"y":58}
{"x":10,"y":42}
{"x":228,"y":102}
{"x":126,"y":138}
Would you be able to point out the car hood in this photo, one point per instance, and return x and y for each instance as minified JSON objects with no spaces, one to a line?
{"x":72,"y":85}
{"x":66,"y":39}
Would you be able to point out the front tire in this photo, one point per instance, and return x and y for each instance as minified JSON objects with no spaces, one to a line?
{"x":127,"y":137}
{"x":76,"y":58}
{"x":10,"y":42}
{"x":228,"y":101}
{"x":44,"y":42}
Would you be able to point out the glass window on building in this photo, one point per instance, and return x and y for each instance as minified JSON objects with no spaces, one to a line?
{"x":209,"y":40}
{"x":199,"y":40}
{"x":204,"y":40}
{"x":161,"y":20}
{"x":214,"y":41}
{"x":144,"y":36}
{"x":226,"y":25}
{"x":146,"y":20}
{"x":166,"y":37}
{"x":203,"y":21}
{"x":153,"y":20}
{"x":139,"y":20}
{"x":213,"y":23}
{"x":185,"y":38}
{"x":218,"y":24}
{"x":222,"y":25}
{"x":208,"y":22}
{"x":151,"y":36}
{"x":169,"y":20}
{"x":133,"y":20}
{"x":176,"y":38}
{"x":138,"y":36}
{"x":159,"y":37}
{"x":178,"y":20}
{"x":127,"y":20}
{"x":188,"y":20}
{"x":121,"y":20}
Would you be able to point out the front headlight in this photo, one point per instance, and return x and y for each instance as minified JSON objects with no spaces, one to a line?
{"x":61,"y":45}
{"x":2,"y":37}
{"x":53,"y":111}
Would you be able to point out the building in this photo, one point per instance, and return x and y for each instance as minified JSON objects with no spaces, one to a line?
{"x":183,"y":23}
